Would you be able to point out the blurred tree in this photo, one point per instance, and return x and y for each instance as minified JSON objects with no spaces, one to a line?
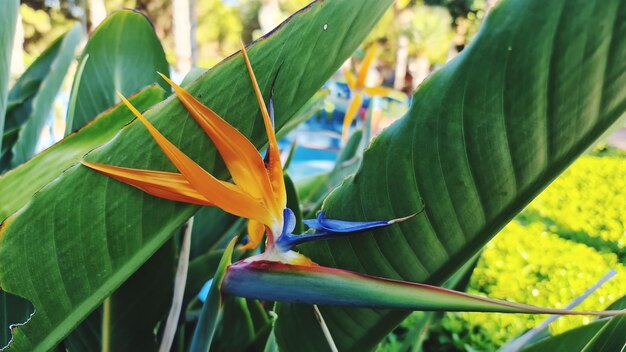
{"x":97,"y":13}
{"x":17,"y":56}
{"x":183,"y":35}
{"x":248,"y":13}
{"x":270,"y":15}
{"x":70,"y":9}
{"x":42,"y":25}
{"x":220,"y":26}
{"x":466,"y":17}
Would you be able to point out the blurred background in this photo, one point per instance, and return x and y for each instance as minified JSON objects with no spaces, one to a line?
{"x":580,"y":219}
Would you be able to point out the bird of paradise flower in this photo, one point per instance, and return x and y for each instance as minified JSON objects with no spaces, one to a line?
{"x":358,"y":88}
{"x":258,"y":194}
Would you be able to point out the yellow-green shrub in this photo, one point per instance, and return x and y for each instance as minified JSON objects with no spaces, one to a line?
{"x":532,"y":265}
{"x":532,"y":261}
{"x":590,"y":197}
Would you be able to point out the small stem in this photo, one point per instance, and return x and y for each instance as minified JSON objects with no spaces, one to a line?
{"x":329,"y":337}
{"x":520,"y":342}
{"x":179,"y":290}
{"x":106,"y":325}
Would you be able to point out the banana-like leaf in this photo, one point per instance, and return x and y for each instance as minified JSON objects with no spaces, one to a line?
{"x":81,"y":236}
{"x":47,"y":166}
{"x":47,"y":73}
{"x":123,"y":55}
{"x":484,"y":135}
{"x":574,"y":340}
{"x":9,"y":10}
{"x":50,"y":164}
{"x":128,"y":319}
{"x":14,"y":310}
{"x":611,"y":337}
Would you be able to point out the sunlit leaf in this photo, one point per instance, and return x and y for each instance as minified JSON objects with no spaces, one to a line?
{"x":484,"y":135}
{"x":100,"y":231}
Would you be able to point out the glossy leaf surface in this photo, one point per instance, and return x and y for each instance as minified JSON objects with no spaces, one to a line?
{"x":9,"y":10}
{"x":50,"y":164}
{"x":484,"y":135}
{"x":33,"y":96}
{"x":82,"y":236}
{"x":123,"y":55}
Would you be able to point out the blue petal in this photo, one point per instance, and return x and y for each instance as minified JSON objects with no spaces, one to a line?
{"x":289,"y":223}
{"x":328,"y":229}
{"x":342,"y":226}
{"x":288,"y":241}
{"x":313,"y":224}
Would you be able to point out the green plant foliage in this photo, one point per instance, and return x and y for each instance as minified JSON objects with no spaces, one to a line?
{"x":9,"y":10}
{"x":43,"y":24}
{"x":572,"y":340}
{"x":81,"y":249}
{"x":600,"y":335}
{"x":32,"y":96}
{"x":515,"y":266}
{"x":47,"y":166}
{"x":430,"y":33}
{"x":609,"y":338}
{"x":123,"y":55}
{"x":484,"y":135}
{"x":415,"y":329}
{"x":14,"y":310}
{"x":587,"y":204}
{"x":127,"y":320}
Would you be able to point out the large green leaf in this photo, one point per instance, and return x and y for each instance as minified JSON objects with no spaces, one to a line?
{"x":44,"y":168}
{"x":123,"y":55}
{"x":484,"y":135}
{"x":127,"y":320}
{"x":84,"y":234}
{"x":573,"y":340}
{"x":47,"y":74}
{"x":9,"y":10}
{"x":47,"y":166}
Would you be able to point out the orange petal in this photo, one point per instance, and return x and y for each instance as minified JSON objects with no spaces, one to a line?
{"x":377,"y":91}
{"x":350,"y":79}
{"x":353,"y":108}
{"x":274,"y":168}
{"x":224,"y":195}
{"x":365,"y":65}
{"x":161,"y":184}
{"x":241,"y":157}
{"x":256,"y":230}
